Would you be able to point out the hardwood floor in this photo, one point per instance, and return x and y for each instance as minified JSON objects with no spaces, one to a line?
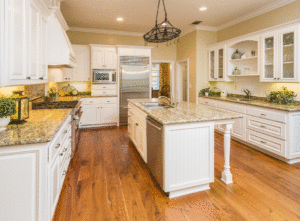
{"x":107,"y":180}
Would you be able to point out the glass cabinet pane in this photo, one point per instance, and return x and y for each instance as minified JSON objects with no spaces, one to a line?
{"x":220,"y":71}
{"x":212,"y":64}
{"x":269,"y":58}
{"x":288,"y":55}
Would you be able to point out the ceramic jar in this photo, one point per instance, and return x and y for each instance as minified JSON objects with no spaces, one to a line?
{"x":3,"y":123}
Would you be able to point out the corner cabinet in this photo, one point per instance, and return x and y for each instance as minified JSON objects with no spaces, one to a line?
{"x":25,"y":30}
{"x":103,"y":57}
{"x":217,"y":63}
{"x":280,"y":55}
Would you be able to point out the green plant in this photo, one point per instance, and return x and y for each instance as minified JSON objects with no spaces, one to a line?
{"x":282,"y":97}
{"x":7,"y":107}
{"x":202,"y":92}
{"x":52,"y":92}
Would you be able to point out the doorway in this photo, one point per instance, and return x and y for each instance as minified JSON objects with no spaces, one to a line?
{"x":182,"y":80}
{"x":162,"y":78}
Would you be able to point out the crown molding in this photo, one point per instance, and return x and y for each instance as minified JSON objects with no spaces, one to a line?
{"x":103,"y":31}
{"x":255,"y":13}
{"x":61,"y":20}
{"x":198,"y":28}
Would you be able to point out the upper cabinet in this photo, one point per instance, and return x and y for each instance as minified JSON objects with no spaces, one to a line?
{"x":280,"y":55}
{"x":217,"y":63}
{"x":103,"y":57}
{"x":25,"y":27}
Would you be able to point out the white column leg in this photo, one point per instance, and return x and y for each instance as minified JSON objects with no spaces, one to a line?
{"x":226,"y":174}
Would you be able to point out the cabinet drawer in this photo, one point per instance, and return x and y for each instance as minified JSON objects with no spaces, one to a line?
{"x":268,"y":127}
{"x":87,"y":101}
{"x":54,"y":147}
{"x":109,"y":100}
{"x":65,"y":133}
{"x":270,"y":115}
{"x":232,"y":107}
{"x":266,"y":142}
{"x":207,"y":101}
{"x":103,"y":92}
{"x":138,"y":114}
{"x":104,"y":87}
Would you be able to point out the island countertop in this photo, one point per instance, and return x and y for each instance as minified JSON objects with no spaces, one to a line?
{"x":41,"y":127}
{"x":186,"y":112}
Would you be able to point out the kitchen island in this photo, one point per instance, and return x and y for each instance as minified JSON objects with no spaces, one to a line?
{"x":177,"y":143}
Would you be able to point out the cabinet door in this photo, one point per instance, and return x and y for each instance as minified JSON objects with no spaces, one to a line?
{"x":68,"y":74}
{"x":43,"y":63}
{"x":212,"y":65}
{"x":82,"y":70}
{"x":221,"y":63}
{"x":54,"y":185}
{"x":34,"y":40}
{"x":238,"y":128}
{"x":108,"y":114}
{"x":269,"y":57}
{"x":110,"y":58}
{"x":288,"y":56}
{"x":90,"y":115}
{"x":17,"y":27}
{"x":98,"y":58}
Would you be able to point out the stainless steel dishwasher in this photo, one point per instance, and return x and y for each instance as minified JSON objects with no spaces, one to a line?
{"x":155,"y":150}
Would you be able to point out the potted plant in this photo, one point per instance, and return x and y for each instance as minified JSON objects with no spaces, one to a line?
{"x":205,"y":91}
{"x":7,"y":109}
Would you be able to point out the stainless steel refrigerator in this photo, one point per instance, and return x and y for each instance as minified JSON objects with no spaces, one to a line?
{"x":134,"y":82}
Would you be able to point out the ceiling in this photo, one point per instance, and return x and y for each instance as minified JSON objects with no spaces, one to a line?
{"x":139,"y":15}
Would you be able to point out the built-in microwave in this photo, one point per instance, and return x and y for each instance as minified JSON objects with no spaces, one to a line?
{"x":104,"y":76}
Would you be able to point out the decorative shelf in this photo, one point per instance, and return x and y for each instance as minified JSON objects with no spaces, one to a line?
{"x":244,"y":59}
{"x":244,"y":75}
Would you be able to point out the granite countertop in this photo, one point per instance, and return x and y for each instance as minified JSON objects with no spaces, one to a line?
{"x":185,"y":113}
{"x":260,"y":103}
{"x":41,"y":127}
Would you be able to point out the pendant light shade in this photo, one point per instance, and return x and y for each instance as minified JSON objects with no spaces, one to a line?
{"x":163,"y":31}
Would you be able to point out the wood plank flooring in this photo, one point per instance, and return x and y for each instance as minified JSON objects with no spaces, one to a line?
{"x":107,"y":180}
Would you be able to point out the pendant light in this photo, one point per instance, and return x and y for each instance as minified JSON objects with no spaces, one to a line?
{"x":163,"y":31}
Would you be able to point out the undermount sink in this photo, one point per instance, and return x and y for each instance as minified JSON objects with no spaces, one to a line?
{"x":156,"y":105}
{"x":240,"y":99}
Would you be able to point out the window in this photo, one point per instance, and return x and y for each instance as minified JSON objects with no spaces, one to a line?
{"x":155,"y":77}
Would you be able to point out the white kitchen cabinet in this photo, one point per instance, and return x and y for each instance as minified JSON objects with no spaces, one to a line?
{"x":137,"y":130}
{"x":25,"y":40}
{"x":82,"y":71}
{"x":280,"y":55}
{"x":217,"y":63}
{"x":54,"y":185}
{"x":99,"y":112}
{"x":103,"y":57}
{"x":238,"y":128}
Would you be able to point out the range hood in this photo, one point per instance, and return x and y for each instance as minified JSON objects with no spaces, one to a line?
{"x":60,"y":51}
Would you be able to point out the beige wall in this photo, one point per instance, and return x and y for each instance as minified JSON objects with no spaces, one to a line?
{"x":278,"y":16}
{"x":194,"y":46}
{"x":162,"y":52}
{"x":275,"y":17}
{"x":186,"y":48}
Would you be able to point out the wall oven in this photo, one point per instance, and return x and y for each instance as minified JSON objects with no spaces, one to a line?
{"x":104,"y":76}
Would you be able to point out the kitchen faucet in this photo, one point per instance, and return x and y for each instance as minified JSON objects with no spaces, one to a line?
{"x":247,"y":92}
{"x":170,"y":100}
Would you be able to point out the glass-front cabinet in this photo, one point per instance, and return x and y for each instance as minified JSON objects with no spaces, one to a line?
{"x":217,"y":64}
{"x":279,"y":56}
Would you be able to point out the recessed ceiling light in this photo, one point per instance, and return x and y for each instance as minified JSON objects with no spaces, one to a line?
{"x":203,"y":8}
{"x":119,"y":19}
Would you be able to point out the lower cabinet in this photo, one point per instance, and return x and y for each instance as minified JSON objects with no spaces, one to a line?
{"x":238,"y":128}
{"x":31,"y":177}
{"x":99,"y":111}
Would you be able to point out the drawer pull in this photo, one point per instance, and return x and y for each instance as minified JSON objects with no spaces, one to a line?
{"x":104,"y":92}
{"x":104,"y":87}
{"x":263,"y":126}
{"x":263,"y":115}
{"x":64,"y":173}
{"x":206,"y":102}
{"x":107,"y":101}
{"x":264,"y":142}
{"x":137,"y":124}
{"x":65,"y":131}
{"x":61,"y":154}
{"x":57,"y":146}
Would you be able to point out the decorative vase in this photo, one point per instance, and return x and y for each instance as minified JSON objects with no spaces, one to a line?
{"x":236,"y":55}
{"x":3,"y":123}
{"x":236,"y":71}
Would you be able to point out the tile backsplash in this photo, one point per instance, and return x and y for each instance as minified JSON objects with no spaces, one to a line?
{"x":35,"y":90}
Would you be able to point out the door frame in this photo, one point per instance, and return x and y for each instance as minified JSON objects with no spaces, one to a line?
{"x":180,"y":62}
{"x":172,"y":73}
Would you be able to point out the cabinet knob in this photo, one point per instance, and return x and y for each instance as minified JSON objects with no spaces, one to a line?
{"x":41,"y":78}
{"x":274,"y":78}
{"x":264,"y":142}
{"x":65,"y":149}
{"x":263,"y":126}
{"x":278,"y":78}
{"x":64,"y":173}
{"x":28,"y":78}
{"x":61,"y":154}
{"x":263,"y":115}
{"x":57,"y":146}
{"x":65,"y":131}
{"x":70,"y":137}
{"x":137,"y":124}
